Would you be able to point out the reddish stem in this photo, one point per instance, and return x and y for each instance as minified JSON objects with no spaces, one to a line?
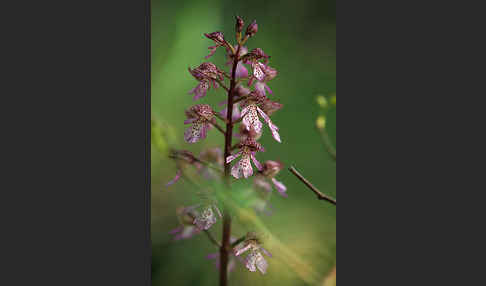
{"x":226,"y":247}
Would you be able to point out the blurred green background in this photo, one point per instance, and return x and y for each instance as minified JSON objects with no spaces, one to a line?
{"x":301,"y":39}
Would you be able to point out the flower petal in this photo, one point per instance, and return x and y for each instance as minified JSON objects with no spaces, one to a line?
{"x":273,"y":127}
{"x":175,"y":179}
{"x":242,"y":168}
{"x":255,"y":161}
{"x":250,"y":261}
{"x":281,"y":188}
{"x":241,"y":70}
{"x":205,"y":220}
{"x":193,"y":133}
{"x":261,"y":263}
{"x":232,"y":157}
{"x":241,"y":248}
{"x":251,"y":120}
{"x":266,"y":252}
{"x":258,"y":71}
{"x":200,"y":90}
{"x":260,"y":88}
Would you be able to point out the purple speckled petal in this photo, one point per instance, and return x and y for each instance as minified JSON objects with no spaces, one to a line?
{"x":250,"y":261}
{"x":200,"y":90}
{"x":243,"y":167}
{"x":193,"y":133}
{"x":258,"y":70}
{"x":232,"y":157}
{"x":273,"y":127}
{"x":250,"y":118}
{"x":261,"y":263}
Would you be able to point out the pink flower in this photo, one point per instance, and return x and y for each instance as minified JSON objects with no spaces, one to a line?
{"x":243,"y":168}
{"x":207,"y":218}
{"x":270,"y":170}
{"x":186,"y":229}
{"x":200,"y":116}
{"x":255,"y":259}
{"x":207,"y":74}
{"x":218,"y":38}
{"x":251,"y":114}
{"x":262,"y":87}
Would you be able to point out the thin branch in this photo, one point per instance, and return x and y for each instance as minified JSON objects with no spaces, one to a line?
{"x":184,"y":156}
{"x":222,"y":84}
{"x":220,"y":129}
{"x":238,"y":120}
{"x":240,"y":99}
{"x":319,"y":194}
{"x":327,"y":143}
{"x":218,"y":115}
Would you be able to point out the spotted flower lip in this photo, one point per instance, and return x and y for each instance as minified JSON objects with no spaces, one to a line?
{"x":243,"y":168}
{"x":207,"y":218}
{"x":200,"y":116}
{"x":251,"y":114}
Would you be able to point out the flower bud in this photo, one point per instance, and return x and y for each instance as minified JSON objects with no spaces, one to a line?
{"x":322,"y":101}
{"x":252,"y":29}
{"x":239,"y":24}
{"x":321,"y":122}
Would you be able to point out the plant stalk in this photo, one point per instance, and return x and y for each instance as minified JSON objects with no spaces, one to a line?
{"x":225,"y":245}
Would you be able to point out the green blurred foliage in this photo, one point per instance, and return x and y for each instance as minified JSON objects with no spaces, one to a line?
{"x":301,"y":38}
